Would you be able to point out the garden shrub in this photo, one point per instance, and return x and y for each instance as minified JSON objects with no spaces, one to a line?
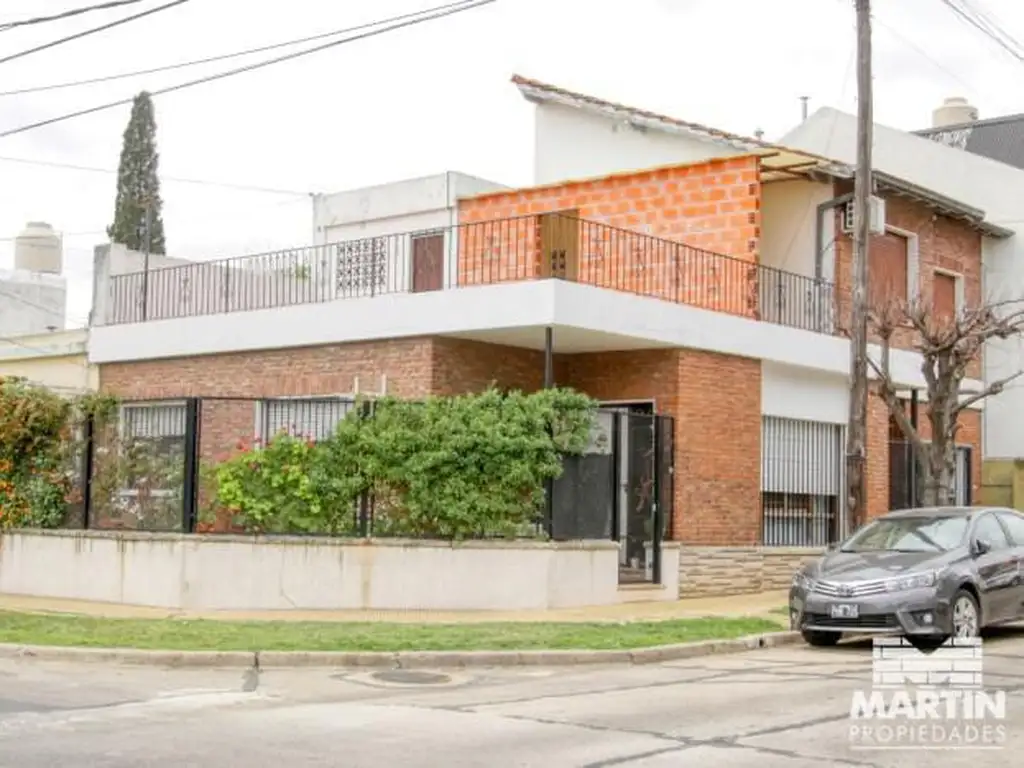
{"x":38,"y":453}
{"x":446,"y":467}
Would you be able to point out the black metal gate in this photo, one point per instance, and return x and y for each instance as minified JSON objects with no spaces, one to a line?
{"x":621,"y":489}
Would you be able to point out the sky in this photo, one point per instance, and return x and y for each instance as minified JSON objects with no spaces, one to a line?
{"x":429,"y":98}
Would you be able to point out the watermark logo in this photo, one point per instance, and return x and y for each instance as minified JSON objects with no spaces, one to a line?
{"x":927,"y":699}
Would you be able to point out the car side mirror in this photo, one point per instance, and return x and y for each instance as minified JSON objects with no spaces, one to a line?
{"x":980,"y":547}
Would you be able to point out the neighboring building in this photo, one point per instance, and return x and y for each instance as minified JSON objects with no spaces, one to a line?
{"x":701,"y":289}
{"x":33,"y":296}
{"x":57,"y":360}
{"x":982,"y":183}
{"x":956,"y":124}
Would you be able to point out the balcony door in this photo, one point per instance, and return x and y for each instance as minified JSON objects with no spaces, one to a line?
{"x":560,"y":245}
{"x":428,"y":262}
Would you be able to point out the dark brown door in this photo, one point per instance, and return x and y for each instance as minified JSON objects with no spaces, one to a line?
{"x":887,"y":269}
{"x":560,"y":245}
{"x":943,"y":296}
{"x":427,"y":263}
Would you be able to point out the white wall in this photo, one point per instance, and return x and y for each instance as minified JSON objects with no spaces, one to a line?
{"x":596,"y":317}
{"x":243,"y":573}
{"x":573,"y":144}
{"x":31,"y":302}
{"x":788,"y":215}
{"x":994,"y":187}
{"x":796,"y":393}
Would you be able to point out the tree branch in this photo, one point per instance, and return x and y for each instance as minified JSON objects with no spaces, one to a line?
{"x":992,"y":389}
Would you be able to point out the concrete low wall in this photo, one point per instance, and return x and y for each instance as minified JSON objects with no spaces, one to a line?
{"x":713,"y":571}
{"x":197,"y":572}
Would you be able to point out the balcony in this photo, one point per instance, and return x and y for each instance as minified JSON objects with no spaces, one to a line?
{"x":501,"y":251}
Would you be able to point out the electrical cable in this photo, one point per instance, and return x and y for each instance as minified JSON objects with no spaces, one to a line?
{"x":219,"y":57}
{"x":175,"y":179}
{"x":67,"y":14}
{"x":249,"y":67}
{"x":87,"y":32}
{"x":968,"y":16}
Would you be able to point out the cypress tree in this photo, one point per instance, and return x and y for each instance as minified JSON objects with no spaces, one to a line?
{"x":138,"y":182}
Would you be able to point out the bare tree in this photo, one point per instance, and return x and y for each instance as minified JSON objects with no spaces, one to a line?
{"x":948,"y":345}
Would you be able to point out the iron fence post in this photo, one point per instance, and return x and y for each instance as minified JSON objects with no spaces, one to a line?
{"x":87,"y":467}
{"x":190,"y":485}
{"x":656,"y":536}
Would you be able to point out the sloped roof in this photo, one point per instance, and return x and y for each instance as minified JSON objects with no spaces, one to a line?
{"x":973,"y":181}
{"x":1000,"y":138}
{"x":776,"y":159}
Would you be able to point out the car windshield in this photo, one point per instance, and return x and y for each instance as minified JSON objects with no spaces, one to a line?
{"x":909,"y":534}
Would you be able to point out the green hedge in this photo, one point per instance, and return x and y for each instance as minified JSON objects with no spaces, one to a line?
{"x":457,"y":467}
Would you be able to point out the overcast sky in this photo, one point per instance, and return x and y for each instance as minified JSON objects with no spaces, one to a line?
{"x":433,"y":97}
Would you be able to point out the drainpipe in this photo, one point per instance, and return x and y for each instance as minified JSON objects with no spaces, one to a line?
{"x":819,"y":230}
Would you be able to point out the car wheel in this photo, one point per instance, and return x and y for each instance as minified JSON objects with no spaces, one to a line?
{"x":820,"y":639}
{"x":966,"y":616}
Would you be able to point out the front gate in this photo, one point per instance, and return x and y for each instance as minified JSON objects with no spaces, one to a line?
{"x":621,"y":489}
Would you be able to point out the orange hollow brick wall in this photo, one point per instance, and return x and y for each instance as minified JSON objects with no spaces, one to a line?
{"x":661,"y":233}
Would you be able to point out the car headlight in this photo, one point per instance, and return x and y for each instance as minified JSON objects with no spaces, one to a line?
{"x":802,"y":581}
{"x":914,"y":581}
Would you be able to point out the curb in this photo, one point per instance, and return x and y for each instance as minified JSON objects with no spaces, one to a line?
{"x":397,"y":660}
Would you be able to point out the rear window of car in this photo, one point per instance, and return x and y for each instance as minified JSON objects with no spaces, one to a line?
{"x":909,"y":534}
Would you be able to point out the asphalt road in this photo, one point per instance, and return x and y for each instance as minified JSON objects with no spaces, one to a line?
{"x":786,"y":707}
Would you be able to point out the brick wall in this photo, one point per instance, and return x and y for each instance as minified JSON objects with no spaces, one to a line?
{"x":718,"y":457}
{"x":943,"y":243}
{"x":713,"y":206}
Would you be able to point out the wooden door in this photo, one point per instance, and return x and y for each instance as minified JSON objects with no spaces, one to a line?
{"x":887,"y":269}
{"x":560,"y":245}
{"x":427,"y":263}
{"x":943,"y":296}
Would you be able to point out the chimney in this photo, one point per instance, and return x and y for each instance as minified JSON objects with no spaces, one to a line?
{"x":954,"y":111}
{"x":803,"y":107}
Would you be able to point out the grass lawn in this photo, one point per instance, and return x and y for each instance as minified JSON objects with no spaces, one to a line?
{"x":212,"y":635}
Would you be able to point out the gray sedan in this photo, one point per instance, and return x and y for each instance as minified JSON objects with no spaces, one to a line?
{"x":927,"y":574}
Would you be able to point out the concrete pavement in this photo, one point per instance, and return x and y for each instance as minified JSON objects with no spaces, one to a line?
{"x":761,"y":604}
{"x":777,"y":708}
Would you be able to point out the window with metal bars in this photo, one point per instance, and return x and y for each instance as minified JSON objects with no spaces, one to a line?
{"x":313,"y":418}
{"x":152,"y":439}
{"x":801,"y":482}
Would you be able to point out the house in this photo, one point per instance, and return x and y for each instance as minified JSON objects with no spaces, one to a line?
{"x":56,"y":360}
{"x":956,"y":124}
{"x":33,"y":295}
{"x":984,"y":184}
{"x":709,"y":289}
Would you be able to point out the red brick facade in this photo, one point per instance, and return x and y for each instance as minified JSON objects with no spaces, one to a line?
{"x":714,"y":206}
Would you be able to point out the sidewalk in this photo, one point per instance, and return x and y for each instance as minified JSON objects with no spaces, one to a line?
{"x":765,"y":604}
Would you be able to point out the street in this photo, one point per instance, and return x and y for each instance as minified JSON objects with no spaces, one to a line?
{"x":786,"y":707}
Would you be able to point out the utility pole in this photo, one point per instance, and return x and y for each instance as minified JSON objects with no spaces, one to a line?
{"x":147,"y":231}
{"x":856,"y":431}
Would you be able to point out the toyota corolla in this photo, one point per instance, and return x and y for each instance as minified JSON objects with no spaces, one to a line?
{"x":927,"y":574}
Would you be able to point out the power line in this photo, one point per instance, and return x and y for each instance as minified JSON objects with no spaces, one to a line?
{"x":92,"y":31}
{"x":176,"y":179}
{"x":220,"y":57}
{"x":451,"y":9}
{"x":993,"y":32}
{"x":67,"y":14}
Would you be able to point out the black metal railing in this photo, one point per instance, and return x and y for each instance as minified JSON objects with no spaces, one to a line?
{"x":802,"y":480}
{"x":472,"y":254}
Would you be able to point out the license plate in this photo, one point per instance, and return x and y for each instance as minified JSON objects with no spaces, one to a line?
{"x":845,"y":611}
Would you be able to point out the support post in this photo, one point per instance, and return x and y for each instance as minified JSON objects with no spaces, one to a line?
{"x":190,"y":489}
{"x":87,"y":469}
{"x":856,"y":446}
{"x":911,"y":453}
{"x":549,"y":382}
